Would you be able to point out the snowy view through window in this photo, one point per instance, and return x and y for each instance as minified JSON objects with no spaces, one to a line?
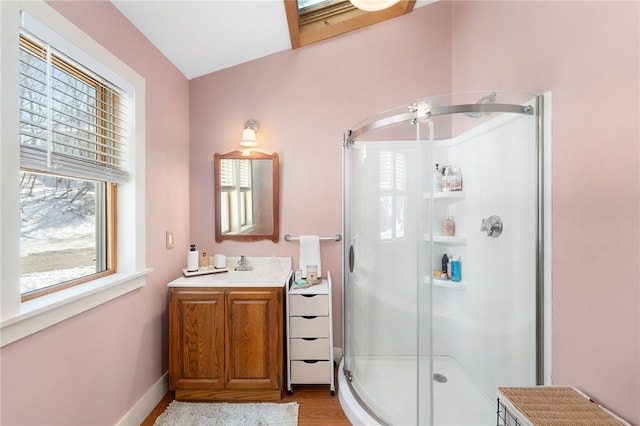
{"x":57,"y":234}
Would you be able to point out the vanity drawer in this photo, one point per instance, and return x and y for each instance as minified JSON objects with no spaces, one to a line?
{"x":309,"y":326}
{"x":309,"y":349}
{"x":314,"y":304}
{"x":311,"y":372}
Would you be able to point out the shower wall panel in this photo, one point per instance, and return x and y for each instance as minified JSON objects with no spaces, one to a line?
{"x":488,"y":323}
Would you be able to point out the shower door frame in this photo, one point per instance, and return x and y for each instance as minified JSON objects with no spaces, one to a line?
{"x":415,"y":115}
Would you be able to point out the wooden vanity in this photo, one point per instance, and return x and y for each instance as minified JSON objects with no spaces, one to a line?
{"x":226,"y":334}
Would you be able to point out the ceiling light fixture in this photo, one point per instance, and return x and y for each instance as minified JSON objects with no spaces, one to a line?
{"x":251,"y":127}
{"x":373,"y":5}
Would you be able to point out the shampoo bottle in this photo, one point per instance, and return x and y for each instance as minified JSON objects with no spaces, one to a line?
{"x":437,"y":180}
{"x":445,"y":263}
{"x":449,"y":227}
{"x":455,"y":269}
{"x":192,"y":259}
{"x":457,"y":179}
{"x":446,"y":179}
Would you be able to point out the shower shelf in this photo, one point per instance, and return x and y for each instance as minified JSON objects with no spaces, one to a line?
{"x":451,"y":196}
{"x":449,"y":284}
{"x":448,"y":241}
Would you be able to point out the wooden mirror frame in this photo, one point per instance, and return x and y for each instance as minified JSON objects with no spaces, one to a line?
{"x":237,"y":155}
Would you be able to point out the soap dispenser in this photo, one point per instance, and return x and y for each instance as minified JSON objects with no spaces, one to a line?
{"x":192,"y":259}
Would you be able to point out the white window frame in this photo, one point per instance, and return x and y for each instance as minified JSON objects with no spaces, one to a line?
{"x":20,"y":319}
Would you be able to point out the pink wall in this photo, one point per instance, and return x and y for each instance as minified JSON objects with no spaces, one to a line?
{"x":587,"y":54}
{"x":98,"y":364}
{"x":91,"y":369}
{"x":305,"y":100}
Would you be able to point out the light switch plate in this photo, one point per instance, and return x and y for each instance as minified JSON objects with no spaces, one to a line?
{"x":169,"y":239}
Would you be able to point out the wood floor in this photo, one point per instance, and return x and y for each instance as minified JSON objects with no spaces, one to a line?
{"x":316,"y":406}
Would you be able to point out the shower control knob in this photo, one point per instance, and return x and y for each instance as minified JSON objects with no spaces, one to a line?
{"x":492,"y":226}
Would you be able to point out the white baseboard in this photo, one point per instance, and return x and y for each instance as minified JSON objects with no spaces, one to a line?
{"x":145,"y":405}
{"x":337,"y":355}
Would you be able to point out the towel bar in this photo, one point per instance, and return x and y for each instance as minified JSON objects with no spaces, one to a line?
{"x":337,"y":237}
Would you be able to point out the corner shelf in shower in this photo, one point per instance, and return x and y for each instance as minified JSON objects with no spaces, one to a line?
{"x":460,"y":285}
{"x":447,"y":196}
{"x":447,"y":241}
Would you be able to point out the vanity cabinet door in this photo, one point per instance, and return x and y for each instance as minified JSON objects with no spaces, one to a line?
{"x":196,"y":339}
{"x":253,"y":339}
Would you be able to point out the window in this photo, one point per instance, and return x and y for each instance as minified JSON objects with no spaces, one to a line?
{"x":236,"y":209}
{"x":72,"y":145}
{"x":393,"y":189}
{"x":315,"y":20}
{"x":93,"y":156}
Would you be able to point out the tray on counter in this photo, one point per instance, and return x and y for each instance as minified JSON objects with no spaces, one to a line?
{"x":203,"y":271}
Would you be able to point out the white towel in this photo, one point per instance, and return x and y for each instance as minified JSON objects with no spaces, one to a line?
{"x":310,"y":253}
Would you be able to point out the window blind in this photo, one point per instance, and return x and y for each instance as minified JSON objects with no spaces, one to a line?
{"x":226,"y":175}
{"x":72,"y":121}
{"x":244,"y":175}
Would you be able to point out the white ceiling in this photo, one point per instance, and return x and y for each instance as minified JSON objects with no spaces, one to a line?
{"x":203,"y":36}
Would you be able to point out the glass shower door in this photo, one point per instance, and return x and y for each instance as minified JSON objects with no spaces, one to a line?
{"x":384,"y":291}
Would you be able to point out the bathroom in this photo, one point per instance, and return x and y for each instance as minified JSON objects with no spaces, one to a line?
{"x":585,"y":53}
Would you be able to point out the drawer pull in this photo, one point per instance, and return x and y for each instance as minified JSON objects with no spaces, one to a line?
{"x":309,"y":317}
{"x":309,"y":338}
{"x":308,"y":295}
{"x":307,"y":361}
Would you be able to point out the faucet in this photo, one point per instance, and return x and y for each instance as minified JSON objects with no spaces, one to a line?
{"x":243,"y":265}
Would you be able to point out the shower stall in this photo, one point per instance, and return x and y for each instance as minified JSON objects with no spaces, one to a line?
{"x":424,"y":344}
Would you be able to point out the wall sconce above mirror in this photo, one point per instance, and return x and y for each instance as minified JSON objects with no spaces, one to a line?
{"x":247,"y":203}
{"x":248,"y":140}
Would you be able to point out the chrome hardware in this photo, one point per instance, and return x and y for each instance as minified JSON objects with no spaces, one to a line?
{"x":492,"y":226}
{"x":490,"y":98}
{"x":347,"y":374}
{"x":440,"y":378}
{"x":243,"y":265}
{"x":337,"y":237}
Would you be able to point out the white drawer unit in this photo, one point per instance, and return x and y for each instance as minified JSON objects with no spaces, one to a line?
{"x":309,"y":304}
{"x":302,"y":327}
{"x":313,"y":349}
{"x":310,"y":335}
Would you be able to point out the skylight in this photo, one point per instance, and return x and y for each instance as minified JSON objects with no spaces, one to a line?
{"x":315,"y":20}
{"x":308,"y":3}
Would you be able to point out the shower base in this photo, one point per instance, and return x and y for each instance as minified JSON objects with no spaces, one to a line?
{"x":457,"y":401}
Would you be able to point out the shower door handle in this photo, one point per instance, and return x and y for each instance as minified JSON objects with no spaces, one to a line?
{"x":351,"y":259}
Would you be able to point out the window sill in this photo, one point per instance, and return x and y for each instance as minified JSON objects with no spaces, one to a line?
{"x":37,"y":314}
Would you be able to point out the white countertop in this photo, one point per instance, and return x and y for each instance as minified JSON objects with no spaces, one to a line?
{"x":267,"y":272}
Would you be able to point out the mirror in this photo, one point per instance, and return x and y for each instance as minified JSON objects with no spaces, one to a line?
{"x":246,"y":196}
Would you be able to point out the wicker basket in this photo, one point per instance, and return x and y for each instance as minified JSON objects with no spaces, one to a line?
{"x":551,"y":406}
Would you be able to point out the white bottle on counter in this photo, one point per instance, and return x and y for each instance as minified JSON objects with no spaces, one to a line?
{"x":192,"y":259}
